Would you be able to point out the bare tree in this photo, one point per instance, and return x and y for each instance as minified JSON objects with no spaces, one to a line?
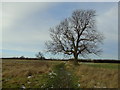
{"x":22,"y":57}
{"x":39,"y":55}
{"x":76,"y":35}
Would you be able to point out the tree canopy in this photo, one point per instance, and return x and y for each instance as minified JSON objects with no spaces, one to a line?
{"x":76,"y":35}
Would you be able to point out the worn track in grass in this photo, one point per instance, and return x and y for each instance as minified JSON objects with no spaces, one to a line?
{"x":16,"y":72}
{"x":61,"y":78}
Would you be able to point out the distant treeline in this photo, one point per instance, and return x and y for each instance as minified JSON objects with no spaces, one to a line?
{"x":81,"y":60}
{"x":101,"y":61}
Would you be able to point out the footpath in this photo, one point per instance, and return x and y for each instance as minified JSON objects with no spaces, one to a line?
{"x":62,"y":78}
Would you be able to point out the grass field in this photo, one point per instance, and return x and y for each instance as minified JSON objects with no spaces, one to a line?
{"x":58,"y":74}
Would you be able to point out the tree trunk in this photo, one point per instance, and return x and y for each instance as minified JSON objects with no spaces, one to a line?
{"x":76,"y":59}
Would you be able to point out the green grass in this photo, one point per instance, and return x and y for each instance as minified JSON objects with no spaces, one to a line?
{"x":103,"y":65}
{"x":34,"y":82}
{"x":61,"y":78}
{"x":63,"y":75}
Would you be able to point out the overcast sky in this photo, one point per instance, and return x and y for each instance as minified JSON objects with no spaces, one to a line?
{"x":25,"y":26}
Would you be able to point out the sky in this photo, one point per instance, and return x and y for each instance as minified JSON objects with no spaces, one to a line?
{"x":25,"y":26}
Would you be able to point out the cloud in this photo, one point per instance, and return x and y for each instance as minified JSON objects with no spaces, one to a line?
{"x":108,"y":24}
{"x":0,"y":27}
{"x":13,"y":12}
{"x":26,"y":25}
{"x":19,"y":33}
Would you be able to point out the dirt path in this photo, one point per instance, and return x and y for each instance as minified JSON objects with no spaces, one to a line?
{"x":61,"y":78}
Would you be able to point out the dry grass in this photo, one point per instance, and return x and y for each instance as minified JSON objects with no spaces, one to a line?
{"x":16,"y":68}
{"x":92,"y":77}
{"x":15,"y":71}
